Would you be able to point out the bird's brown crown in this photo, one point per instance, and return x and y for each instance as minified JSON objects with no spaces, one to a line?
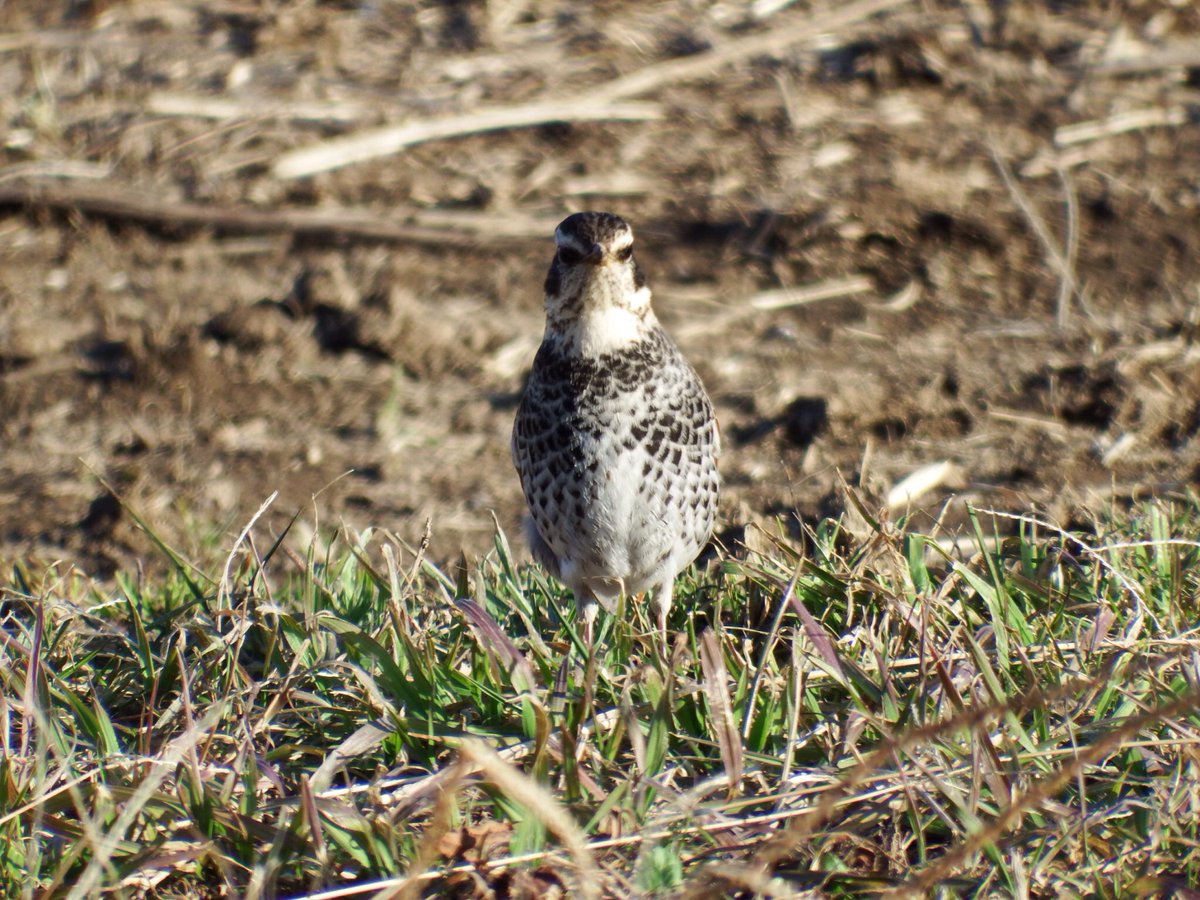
{"x":592,"y":237}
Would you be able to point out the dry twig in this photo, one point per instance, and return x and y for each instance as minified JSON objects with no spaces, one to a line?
{"x":831,"y":289}
{"x":129,"y":204}
{"x":384,"y":141}
{"x":598,"y":103}
{"x":1184,"y":55}
{"x":200,"y":107}
{"x":1120,"y":123}
{"x":1077,"y":142}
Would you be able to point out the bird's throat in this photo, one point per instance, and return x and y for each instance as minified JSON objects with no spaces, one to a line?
{"x":607,"y":330}
{"x":604,"y":328}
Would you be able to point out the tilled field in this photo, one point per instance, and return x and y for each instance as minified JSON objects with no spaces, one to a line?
{"x":961,"y":240}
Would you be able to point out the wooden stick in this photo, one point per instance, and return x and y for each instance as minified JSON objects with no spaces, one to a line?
{"x":126,"y":203}
{"x":365,"y":145}
{"x":832,"y":289}
{"x":200,"y":107}
{"x":1076,"y":140}
{"x":1184,"y":54}
{"x":1133,"y":120}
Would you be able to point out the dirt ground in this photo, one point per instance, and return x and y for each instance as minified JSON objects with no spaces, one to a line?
{"x":948,"y":232}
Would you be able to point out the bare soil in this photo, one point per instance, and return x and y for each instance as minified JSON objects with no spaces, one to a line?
{"x":1027,"y":290}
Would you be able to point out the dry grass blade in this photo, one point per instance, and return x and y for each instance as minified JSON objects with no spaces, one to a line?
{"x":716,"y":689}
{"x":768,"y":647}
{"x":1060,"y":258}
{"x":312,"y":819}
{"x":1097,"y":634}
{"x":540,"y":803}
{"x":1051,"y":427}
{"x":364,"y":740}
{"x":498,"y":644}
{"x":33,"y":680}
{"x":225,"y":586}
{"x":994,"y":771}
{"x":818,"y":636}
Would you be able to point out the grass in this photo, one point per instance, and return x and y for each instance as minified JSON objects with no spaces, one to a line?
{"x":845,"y":715}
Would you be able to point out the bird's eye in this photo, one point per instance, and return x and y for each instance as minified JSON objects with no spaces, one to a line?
{"x":568,"y":256}
{"x":625,"y":253}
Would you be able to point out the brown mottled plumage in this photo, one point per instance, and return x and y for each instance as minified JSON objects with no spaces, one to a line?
{"x":615,"y":439}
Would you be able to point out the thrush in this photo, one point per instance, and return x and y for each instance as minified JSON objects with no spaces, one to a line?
{"x":615,"y":439}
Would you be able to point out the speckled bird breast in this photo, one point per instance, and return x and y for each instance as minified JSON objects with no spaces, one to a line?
{"x":618,"y":458}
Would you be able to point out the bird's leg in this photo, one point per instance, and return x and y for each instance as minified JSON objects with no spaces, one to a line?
{"x":661,"y":603}
{"x":588,"y":608}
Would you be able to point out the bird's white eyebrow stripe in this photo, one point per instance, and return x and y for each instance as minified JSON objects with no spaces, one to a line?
{"x":562,"y":239}
{"x":620,"y":240}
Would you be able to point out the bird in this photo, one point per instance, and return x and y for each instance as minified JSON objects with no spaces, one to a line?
{"x":615,"y":439}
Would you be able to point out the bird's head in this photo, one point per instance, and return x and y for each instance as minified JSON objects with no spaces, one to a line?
{"x":595,"y":291}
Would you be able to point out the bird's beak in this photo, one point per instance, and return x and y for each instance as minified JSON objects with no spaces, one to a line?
{"x":595,"y":255}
